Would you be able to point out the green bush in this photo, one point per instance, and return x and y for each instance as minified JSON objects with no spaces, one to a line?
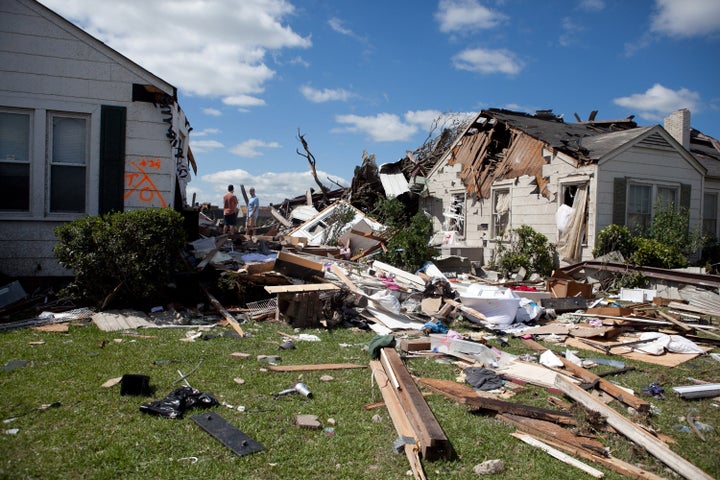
{"x":137,"y":250}
{"x":653,"y":253}
{"x":408,"y":249}
{"x":527,"y":249}
{"x":614,"y":238}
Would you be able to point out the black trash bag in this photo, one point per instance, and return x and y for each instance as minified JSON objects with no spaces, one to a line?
{"x":180,"y":400}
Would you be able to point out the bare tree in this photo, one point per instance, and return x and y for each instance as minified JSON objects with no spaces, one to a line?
{"x":311,"y":160}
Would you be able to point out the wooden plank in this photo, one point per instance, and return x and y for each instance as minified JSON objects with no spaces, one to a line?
{"x":530,"y":440}
{"x":586,"y":375}
{"x":466,"y":395}
{"x":584,"y":447}
{"x":399,"y":419}
{"x":434,"y":443}
{"x":227,"y":315}
{"x":412,"y":278}
{"x":675,"y":321}
{"x":308,"y":287}
{"x":653,"y":445}
{"x":278,"y":216}
{"x":313,"y":367}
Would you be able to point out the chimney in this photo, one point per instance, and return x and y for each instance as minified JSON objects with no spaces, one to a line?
{"x":677,"y":124}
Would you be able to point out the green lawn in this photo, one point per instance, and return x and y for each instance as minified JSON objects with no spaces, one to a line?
{"x":93,"y":432}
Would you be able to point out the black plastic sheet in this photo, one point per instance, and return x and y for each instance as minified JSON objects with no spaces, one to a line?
{"x":178,"y":402}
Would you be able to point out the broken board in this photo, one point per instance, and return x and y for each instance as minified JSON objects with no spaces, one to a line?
{"x":227,"y":434}
{"x":667,"y":359}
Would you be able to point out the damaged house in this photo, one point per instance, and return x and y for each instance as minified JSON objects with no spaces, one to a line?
{"x":83,"y":131}
{"x":567,"y":181}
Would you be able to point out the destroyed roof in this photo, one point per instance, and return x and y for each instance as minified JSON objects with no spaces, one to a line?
{"x":565,"y":137}
{"x":706,"y":150}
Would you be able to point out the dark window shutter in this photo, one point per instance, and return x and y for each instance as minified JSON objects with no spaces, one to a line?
{"x":112,"y":159}
{"x":685,"y":191}
{"x":619,"y":200}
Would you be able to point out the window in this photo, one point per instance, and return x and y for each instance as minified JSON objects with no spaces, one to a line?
{"x":68,"y":154}
{"x":710,"y":209}
{"x":455,"y":215}
{"x":15,"y":161}
{"x":643,"y":199}
{"x":500,"y":211}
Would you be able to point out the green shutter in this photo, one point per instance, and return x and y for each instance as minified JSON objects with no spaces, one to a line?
{"x":619,"y":200}
{"x":112,"y":159}
{"x":685,"y":191}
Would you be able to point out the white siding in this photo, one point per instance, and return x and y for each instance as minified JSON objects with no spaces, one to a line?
{"x":46,"y":65}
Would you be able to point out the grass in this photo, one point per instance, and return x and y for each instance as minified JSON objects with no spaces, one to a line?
{"x":95,"y":433}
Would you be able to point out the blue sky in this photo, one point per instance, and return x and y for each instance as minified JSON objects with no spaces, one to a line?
{"x":374,"y":76}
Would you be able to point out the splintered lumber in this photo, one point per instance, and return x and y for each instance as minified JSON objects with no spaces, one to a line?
{"x":308,"y":287}
{"x":463,"y":308}
{"x":227,"y":315}
{"x":677,"y":322}
{"x":434,"y":444}
{"x":563,"y":457}
{"x":653,"y":445}
{"x":587,"y":376}
{"x":587,"y":448}
{"x":313,"y":367}
{"x":467,"y":396}
{"x":399,"y":419}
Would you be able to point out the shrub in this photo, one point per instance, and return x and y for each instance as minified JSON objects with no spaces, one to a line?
{"x":671,"y":227}
{"x":408,"y":249}
{"x":614,"y":238}
{"x":527,"y":249}
{"x":139,"y":250}
{"x":653,"y":253}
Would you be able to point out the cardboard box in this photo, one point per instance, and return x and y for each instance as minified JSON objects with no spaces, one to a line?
{"x":563,"y":288}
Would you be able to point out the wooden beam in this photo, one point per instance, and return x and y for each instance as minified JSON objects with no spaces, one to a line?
{"x":563,"y":457}
{"x":313,"y":367}
{"x":308,"y":287}
{"x":434,"y":444}
{"x":227,"y":315}
{"x":587,"y":376}
{"x":465,"y":309}
{"x":467,"y":396}
{"x":653,"y":445}
{"x":398,"y":417}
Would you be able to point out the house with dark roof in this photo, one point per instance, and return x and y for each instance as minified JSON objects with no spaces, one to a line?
{"x":567,"y":181}
{"x":83,"y":131}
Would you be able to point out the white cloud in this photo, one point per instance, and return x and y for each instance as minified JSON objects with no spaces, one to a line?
{"x":570,"y":29}
{"x":250,"y":148}
{"x":686,"y":18}
{"x":202,"y":146}
{"x":659,"y":101}
{"x":592,"y":5}
{"x":272,"y":188}
{"x":337,"y":25}
{"x":213,"y":112}
{"x":324,"y":95}
{"x":206,"y":131}
{"x":466,"y":15}
{"x":204,"y":48}
{"x":383,"y":127}
{"x":487,"y":61}
{"x":243,"y":101}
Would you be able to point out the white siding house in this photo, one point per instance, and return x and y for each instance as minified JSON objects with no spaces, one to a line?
{"x":510,"y":169}
{"x":83,"y":131}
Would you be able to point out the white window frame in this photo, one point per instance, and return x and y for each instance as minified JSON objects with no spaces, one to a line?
{"x":27,"y":161}
{"x":500,"y":189}
{"x":51,"y":162}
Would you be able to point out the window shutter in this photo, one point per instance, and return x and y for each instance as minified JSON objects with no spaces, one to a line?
{"x":685,"y":191}
{"x":619,"y":200}
{"x":112,"y":159}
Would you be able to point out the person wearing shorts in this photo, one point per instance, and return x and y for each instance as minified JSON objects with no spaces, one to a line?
{"x":230,"y":211}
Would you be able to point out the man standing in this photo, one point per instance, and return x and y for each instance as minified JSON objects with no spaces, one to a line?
{"x":252,"y":213}
{"x":230,"y":210}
